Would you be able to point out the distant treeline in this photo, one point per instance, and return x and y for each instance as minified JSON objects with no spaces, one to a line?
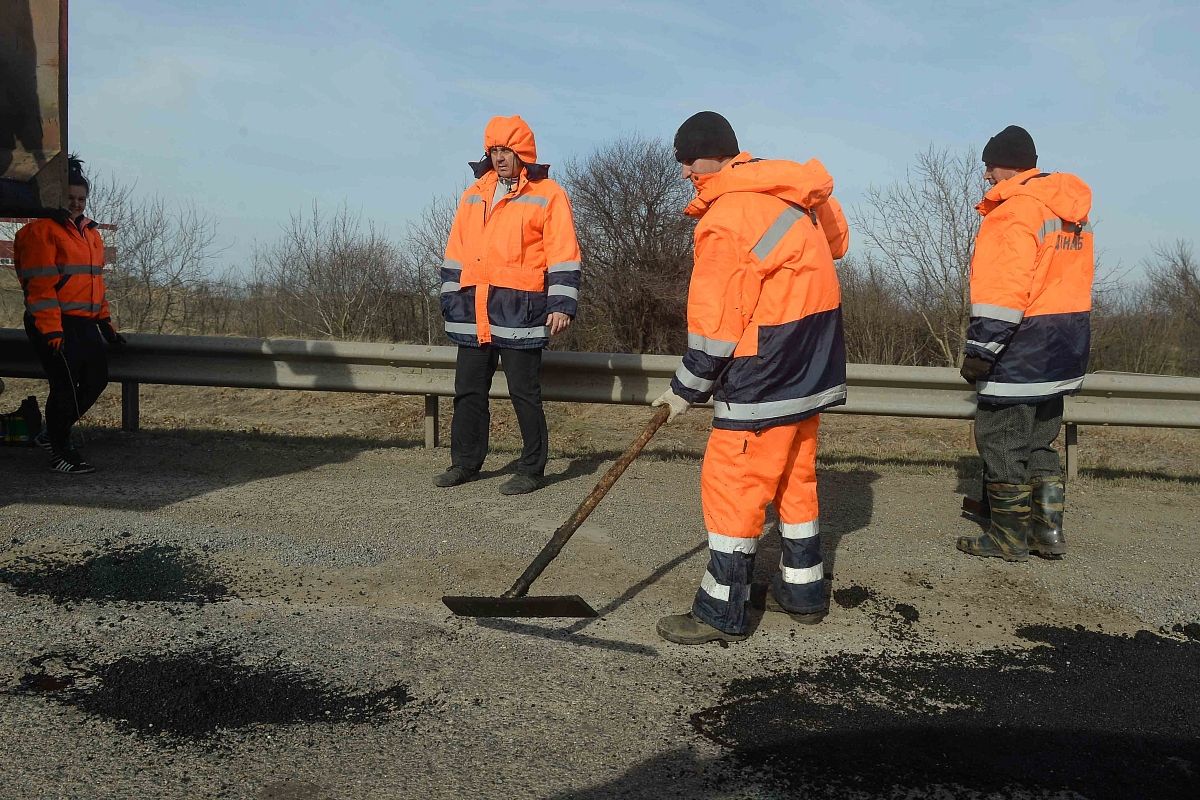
{"x":335,"y":275}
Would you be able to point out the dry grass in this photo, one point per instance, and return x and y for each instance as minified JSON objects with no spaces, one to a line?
{"x":1147,"y":456}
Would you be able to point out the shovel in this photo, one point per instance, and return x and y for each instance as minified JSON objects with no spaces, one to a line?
{"x":514,"y":603}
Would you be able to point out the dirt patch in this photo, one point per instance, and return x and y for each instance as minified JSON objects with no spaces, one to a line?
{"x":134,"y":573}
{"x":194,"y":695}
{"x":1072,"y":714}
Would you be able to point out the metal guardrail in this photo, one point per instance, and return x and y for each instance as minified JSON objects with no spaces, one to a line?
{"x":933,"y":392}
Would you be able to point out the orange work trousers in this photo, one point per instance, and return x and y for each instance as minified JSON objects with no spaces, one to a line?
{"x":743,"y":472}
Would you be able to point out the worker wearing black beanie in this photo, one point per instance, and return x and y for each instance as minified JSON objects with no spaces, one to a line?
{"x":1011,"y":147}
{"x":705,"y":135}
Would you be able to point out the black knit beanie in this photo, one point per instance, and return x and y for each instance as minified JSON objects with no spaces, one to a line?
{"x":1012,"y":148}
{"x":705,"y":135}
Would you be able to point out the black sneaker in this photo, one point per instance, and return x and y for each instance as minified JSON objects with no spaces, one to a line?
{"x":42,"y":440}
{"x":454,"y":476}
{"x":71,"y":463}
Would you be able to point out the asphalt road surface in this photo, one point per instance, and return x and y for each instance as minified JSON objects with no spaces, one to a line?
{"x":242,"y":616}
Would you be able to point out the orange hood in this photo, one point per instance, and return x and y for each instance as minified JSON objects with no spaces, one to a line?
{"x":513,"y":133}
{"x":808,"y":184}
{"x":1065,"y":195}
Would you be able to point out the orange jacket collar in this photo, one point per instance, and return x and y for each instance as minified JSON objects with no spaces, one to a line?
{"x":807,"y":185}
{"x":1064,"y":194}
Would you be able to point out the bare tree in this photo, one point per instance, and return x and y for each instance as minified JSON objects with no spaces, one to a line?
{"x":920,"y":232}
{"x":420,"y":281}
{"x":628,"y":200}
{"x":333,"y":276}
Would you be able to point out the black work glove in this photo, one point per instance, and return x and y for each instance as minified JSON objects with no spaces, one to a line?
{"x":974,"y":369}
{"x":110,"y":334}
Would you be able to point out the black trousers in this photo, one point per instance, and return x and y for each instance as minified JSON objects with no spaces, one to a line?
{"x":472,"y":380}
{"x":77,"y":373}
{"x":1016,"y":442}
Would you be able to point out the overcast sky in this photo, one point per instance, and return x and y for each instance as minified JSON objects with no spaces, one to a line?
{"x":254,"y":109}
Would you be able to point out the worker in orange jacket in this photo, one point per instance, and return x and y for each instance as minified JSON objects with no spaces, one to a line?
{"x":510,"y":281}
{"x":765,"y":343}
{"x":60,"y":264}
{"x":1027,"y":342}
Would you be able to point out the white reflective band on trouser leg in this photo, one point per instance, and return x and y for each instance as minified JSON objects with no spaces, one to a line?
{"x":799,"y":530}
{"x":721,"y":543}
{"x":717,"y":591}
{"x":1002,"y":313}
{"x":801,"y":575}
{"x":685,"y":376}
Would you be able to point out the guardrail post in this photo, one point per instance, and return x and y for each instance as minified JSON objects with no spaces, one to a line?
{"x":130,"y":407}
{"x":431,"y":420}
{"x":1072,"y":435}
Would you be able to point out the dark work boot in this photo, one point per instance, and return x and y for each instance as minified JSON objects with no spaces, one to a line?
{"x":1046,"y":521}
{"x":454,"y":476}
{"x":686,"y":629}
{"x":1007,"y":536}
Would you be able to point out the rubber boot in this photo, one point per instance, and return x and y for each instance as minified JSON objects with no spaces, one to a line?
{"x":1007,"y":536}
{"x":1046,"y":521}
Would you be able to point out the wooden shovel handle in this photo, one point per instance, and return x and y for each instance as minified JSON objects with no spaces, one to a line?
{"x":569,"y":527}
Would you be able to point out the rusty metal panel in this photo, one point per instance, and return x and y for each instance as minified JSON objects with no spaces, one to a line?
{"x":33,"y":114}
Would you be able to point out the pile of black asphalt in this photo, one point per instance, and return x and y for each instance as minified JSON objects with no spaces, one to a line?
{"x":131,"y":572}
{"x":201,"y":693}
{"x":1080,"y":713}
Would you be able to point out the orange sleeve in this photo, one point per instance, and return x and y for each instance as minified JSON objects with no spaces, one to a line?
{"x":833,"y":224}
{"x":1005,"y":256}
{"x":563,"y":268}
{"x":35,"y":257}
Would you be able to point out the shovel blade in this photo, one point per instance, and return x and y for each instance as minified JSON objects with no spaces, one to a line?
{"x":570,"y":605}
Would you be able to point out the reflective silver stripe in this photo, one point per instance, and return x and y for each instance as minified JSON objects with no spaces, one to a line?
{"x":999,"y":389}
{"x":473,"y":198}
{"x":564,"y":266}
{"x":991,"y":347}
{"x":800,"y":575}
{"x":799,"y":530}
{"x":531,"y":199}
{"x":450,"y":286}
{"x":539,"y":332}
{"x":691,"y":381}
{"x":774,"y":234}
{"x":1002,"y":313}
{"x":80,"y":306}
{"x":81,"y":269}
{"x":720,"y":543}
{"x":450,"y":263}
{"x":1048,"y":227}
{"x":36,"y":272}
{"x":717,"y":591}
{"x":563,"y":291}
{"x":712,"y":347}
{"x":41,"y":305}
{"x":746,"y":412}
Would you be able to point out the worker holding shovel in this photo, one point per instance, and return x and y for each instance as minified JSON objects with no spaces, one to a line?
{"x":765,"y":343}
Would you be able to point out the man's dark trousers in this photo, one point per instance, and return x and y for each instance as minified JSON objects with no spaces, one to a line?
{"x":1016,"y":441}
{"x":77,"y":373}
{"x":472,"y":420}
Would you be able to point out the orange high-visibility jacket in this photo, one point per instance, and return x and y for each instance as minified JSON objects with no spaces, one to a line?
{"x":764,"y":304}
{"x":61,"y":269}
{"x":1031,"y":287}
{"x":510,"y":262}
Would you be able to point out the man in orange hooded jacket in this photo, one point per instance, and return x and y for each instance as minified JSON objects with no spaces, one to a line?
{"x":765,"y":343}
{"x":1027,"y":342}
{"x":510,"y":281}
